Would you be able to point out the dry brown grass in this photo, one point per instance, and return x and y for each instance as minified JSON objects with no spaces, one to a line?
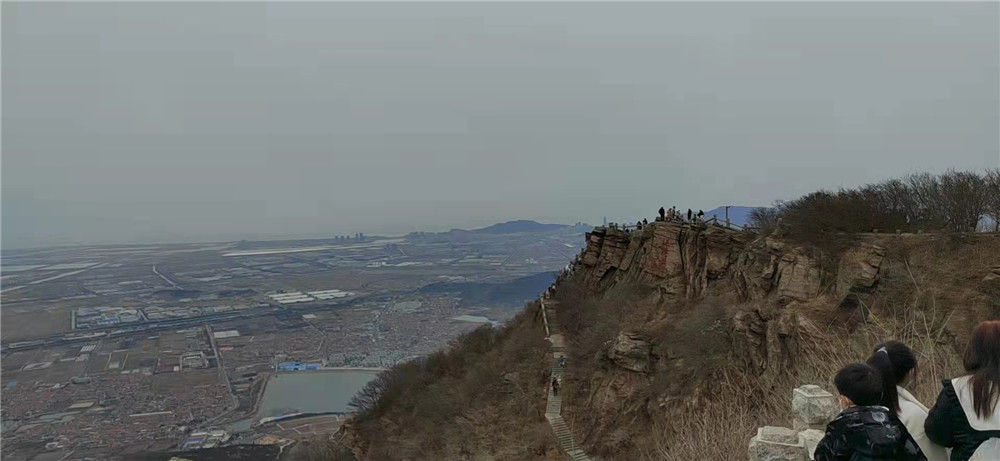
{"x":485,"y":395}
{"x":928,"y":299}
{"x":720,"y":427}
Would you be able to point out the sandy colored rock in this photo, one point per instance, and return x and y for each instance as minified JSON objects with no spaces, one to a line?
{"x":769,"y":266}
{"x":681,"y":260}
{"x":632,"y":352}
{"x":766,"y":340}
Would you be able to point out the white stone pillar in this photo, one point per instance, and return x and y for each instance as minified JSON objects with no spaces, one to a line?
{"x":810,"y":438}
{"x":812,"y":408}
{"x":776,"y":444}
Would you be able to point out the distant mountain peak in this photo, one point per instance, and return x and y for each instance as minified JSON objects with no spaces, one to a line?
{"x":520,"y":225}
{"x":738,"y":215}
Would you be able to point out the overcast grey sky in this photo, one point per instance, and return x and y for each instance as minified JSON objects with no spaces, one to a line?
{"x":137,"y":122}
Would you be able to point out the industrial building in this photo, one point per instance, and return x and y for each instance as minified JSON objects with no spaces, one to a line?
{"x":296,"y":366}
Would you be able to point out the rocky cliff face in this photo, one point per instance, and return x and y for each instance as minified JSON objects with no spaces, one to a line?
{"x":680,"y":260}
{"x":758,"y":287}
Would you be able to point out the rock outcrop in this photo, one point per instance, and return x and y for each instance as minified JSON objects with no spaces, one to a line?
{"x":763,"y":287}
{"x":992,"y":279}
{"x":679,"y":259}
{"x":683,"y":260}
{"x":771,"y":266}
{"x":632,"y":352}
{"x":858,"y":272}
{"x":766,"y":339}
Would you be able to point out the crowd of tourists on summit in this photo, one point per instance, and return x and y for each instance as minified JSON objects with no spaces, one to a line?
{"x":670,"y":214}
{"x":881,"y":420}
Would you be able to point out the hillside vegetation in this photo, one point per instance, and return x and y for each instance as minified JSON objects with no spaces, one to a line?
{"x":956,"y":201}
{"x":682,"y":339}
{"x":480,"y":399}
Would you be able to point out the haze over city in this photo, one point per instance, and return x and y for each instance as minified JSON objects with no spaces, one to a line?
{"x":133,"y":122}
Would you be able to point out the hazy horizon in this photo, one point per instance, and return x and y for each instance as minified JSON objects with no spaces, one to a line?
{"x":171,"y":122}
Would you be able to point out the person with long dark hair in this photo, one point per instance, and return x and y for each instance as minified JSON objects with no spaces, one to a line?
{"x":966,"y":416}
{"x":897,"y":366}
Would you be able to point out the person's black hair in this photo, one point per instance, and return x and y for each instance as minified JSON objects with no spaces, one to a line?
{"x":859,"y":382}
{"x":893,"y":360}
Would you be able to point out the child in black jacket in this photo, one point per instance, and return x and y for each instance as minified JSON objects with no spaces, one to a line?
{"x":865,"y":431}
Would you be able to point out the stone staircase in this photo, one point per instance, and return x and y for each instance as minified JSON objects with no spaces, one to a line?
{"x":553,"y":406}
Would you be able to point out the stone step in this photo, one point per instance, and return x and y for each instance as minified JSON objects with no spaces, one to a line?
{"x":553,"y":404}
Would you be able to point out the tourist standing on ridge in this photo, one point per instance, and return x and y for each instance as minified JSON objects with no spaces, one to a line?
{"x":689,"y":214}
{"x":663,"y":214}
{"x":644,"y":222}
{"x":966,"y":417}
{"x":865,"y":430}
{"x":898,"y":367}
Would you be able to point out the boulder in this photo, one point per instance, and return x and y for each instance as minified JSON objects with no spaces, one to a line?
{"x":632,"y":352}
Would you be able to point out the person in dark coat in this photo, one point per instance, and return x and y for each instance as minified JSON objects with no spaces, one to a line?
{"x":966,"y":417}
{"x":865,"y":431}
{"x":644,"y":222}
{"x":689,"y":214}
{"x":663,"y":214}
{"x":555,"y":386}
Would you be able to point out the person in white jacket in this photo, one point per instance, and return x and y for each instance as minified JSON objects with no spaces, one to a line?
{"x":897,"y":365}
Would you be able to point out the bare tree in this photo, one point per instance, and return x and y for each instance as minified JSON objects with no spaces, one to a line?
{"x":993,"y":197}
{"x":965,"y":196}
{"x":764,"y":218}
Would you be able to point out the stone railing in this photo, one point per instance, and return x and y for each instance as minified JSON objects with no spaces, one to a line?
{"x":812,"y":409}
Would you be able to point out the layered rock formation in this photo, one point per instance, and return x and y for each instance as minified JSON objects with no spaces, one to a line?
{"x":681,"y":260}
{"x":770,"y":274}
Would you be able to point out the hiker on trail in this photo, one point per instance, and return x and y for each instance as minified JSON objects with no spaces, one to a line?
{"x":562,"y":362}
{"x":689,"y":214}
{"x":865,"y":430}
{"x":555,"y":386}
{"x":662,"y":214}
{"x":898,"y":366}
{"x":644,"y":222}
{"x":966,"y":417}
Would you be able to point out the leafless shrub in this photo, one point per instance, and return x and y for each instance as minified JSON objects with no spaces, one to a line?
{"x":956,"y":201}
